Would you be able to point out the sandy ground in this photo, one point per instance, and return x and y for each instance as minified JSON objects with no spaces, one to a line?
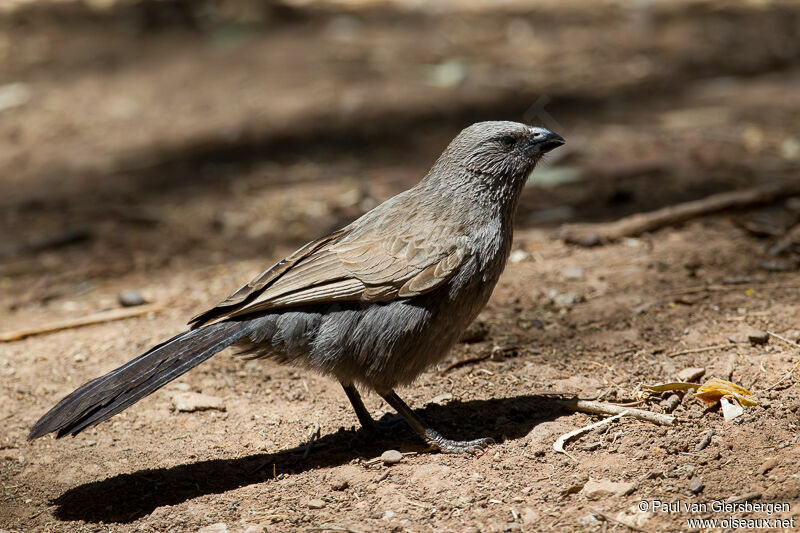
{"x":179,"y":163}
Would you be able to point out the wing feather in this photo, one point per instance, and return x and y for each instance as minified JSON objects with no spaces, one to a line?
{"x":366,"y":268}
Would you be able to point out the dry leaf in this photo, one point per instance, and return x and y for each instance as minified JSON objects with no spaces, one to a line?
{"x":714,"y":389}
{"x":664,"y":387}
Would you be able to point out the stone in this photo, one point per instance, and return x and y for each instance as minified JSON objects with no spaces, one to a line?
{"x":391,"y":457}
{"x":572,"y":273}
{"x":696,"y":485}
{"x":689,"y":375}
{"x":130,"y":299}
{"x":529,"y":516}
{"x":339,"y":483}
{"x":760,"y":337}
{"x":189,"y":402}
{"x":316,"y":503}
{"x":588,"y":520}
{"x":595,"y":489}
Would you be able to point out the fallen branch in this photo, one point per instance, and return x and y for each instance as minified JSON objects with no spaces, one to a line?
{"x":636,"y":225}
{"x":96,"y":318}
{"x":558,"y":445}
{"x":599,"y":408}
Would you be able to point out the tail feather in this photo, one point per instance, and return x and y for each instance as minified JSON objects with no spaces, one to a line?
{"x":102,"y":398}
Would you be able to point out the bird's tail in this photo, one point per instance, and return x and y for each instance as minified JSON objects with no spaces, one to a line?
{"x":102,"y":398}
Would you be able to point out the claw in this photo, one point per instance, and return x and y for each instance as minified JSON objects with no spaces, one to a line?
{"x":472,"y":447}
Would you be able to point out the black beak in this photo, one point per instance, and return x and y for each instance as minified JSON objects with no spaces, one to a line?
{"x":542,"y":140}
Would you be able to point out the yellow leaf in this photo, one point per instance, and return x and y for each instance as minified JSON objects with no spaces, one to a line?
{"x":714,"y":389}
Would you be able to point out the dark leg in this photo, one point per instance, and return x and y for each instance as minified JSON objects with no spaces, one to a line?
{"x":430,"y":436}
{"x":358,"y":406}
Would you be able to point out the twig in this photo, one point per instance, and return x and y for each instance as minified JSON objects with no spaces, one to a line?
{"x":784,"y":339}
{"x":599,"y":408}
{"x":749,"y":496}
{"x":610,"y":518}
{"x":636,"y":225}
{"x":96,"y":318}
{"x":558,"y":445}
{"x":791,"y":371}
{"x":312,"y":438}
{"x":699,"y":350}
{"x":478,"y":358}
{"x":463,"y":362}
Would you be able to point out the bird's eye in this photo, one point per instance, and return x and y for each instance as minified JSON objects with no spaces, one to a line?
{"x":508,"y":141}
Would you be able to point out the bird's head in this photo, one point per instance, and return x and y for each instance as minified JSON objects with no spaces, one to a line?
{"x":498,"y":153}
{"x":503,"y":149}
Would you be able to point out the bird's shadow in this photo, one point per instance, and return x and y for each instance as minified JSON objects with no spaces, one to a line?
{"x":127,"y":497}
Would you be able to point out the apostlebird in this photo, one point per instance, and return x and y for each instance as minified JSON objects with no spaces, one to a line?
{"x":373,"y":304}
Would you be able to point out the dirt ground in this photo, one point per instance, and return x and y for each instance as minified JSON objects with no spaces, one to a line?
{"x":179,"y":157}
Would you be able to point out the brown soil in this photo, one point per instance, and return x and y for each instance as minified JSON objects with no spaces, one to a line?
{"x":180,"y":161}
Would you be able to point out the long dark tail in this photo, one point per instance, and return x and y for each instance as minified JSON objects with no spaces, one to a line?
{"x":102,"y":398}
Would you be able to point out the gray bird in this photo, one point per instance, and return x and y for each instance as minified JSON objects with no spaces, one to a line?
{"x":373,"y":304}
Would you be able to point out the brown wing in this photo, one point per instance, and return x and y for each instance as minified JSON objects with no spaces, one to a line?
{"x":335,"y":269}
{"x":251,"y":290}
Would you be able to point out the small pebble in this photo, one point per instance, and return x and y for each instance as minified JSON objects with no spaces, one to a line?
{"x":696,"y":485}
{"x":131,"y":299}
{"x":688,"y":375}
{"x":758,"y":338}
{"x":572,"y":273}
{"x":189,"y":402}
{"x":339,"y":483}
{"x":390,"y":457}
{"x":316,"y":503}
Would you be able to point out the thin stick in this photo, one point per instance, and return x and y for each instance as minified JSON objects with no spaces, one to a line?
{"x":599,"y":408}
{"x":699,"y":350}
{"x":635,"y":225}
{"x":558,"y":445}
{"x":464,"y":362}
{"x":784,"y":339}
{"x":96,"y":318}
{"x":790,"y":372}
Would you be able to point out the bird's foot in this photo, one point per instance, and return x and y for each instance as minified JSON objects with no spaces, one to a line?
{"x":472,"y":447}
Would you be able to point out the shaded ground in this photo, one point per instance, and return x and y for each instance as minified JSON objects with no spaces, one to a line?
{"x":180,"y":161}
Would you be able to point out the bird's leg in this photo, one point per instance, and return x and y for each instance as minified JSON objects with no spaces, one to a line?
{"x":433,"y":438}
{"x":358,"y":406}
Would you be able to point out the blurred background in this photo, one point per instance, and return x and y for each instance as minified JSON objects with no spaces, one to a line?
{"x":138,"y":134}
